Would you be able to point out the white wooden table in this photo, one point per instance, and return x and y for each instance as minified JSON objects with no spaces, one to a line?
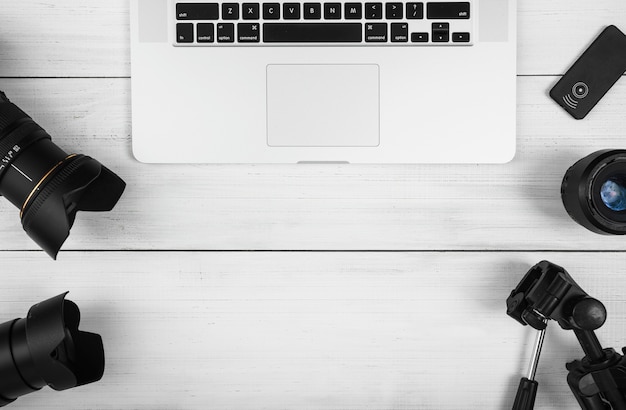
{"x":303,"y":286}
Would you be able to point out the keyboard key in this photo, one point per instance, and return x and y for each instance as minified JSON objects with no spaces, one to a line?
{"x":393,"y":11}
{"x":441,"y":32}
{"x":197,"y":11}
{"x":184,"y":33}
{"x":376,"y":32}
{"x":353,"y":11}
{"x":461,"y":37}
{"x":205,"y":33}
{"x":415,"y":11}
{"x":248,"y":33}
{"x":230,"y":11}
{"x":399,"y":32}
{"x":291,"y":11}
{"x":332,"y":11}
{"x":448,"y":10}
{"x":250,"y":11}
{"x":312,"y":32}
{"x":374,"y":11}
{"x":271,"y":11}
{"x":419,"y":37}
{"x":225,"y":33}
{"x":312,"y":11}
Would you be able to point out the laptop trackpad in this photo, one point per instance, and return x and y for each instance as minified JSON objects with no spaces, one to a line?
{"x":323,"y":105}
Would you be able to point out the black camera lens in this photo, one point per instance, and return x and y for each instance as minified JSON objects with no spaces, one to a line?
{"x":47,"y":184}
{"x":47,"y":348}
{"x":594,"y":192}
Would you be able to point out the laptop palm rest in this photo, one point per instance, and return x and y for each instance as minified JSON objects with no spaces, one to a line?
{"x":323,"y":105}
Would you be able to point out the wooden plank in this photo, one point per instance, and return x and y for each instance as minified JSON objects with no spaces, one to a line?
{"x":78,"y":38}
{"x":553,"y":34}
{"x":64,"y":38}
{"x":513,"y":206}
{"x":309,"y":330}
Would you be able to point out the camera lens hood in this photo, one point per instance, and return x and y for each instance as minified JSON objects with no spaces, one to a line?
{"x":79,"y":186}
{"x":46,"y":348}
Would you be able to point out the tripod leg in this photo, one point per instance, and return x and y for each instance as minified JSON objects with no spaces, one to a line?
{"x":594,"y":402}
{"x":597,"y":389}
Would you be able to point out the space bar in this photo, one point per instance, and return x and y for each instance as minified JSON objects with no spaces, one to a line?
{"x":312,"y":32}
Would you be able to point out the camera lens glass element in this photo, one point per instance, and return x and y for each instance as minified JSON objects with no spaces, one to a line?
{"x":613,"y":194}
{"x":594,"y":192}
{"x":47,"y":184}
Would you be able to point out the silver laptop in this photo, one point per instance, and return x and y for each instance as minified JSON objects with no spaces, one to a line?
{"x":332,"y":81}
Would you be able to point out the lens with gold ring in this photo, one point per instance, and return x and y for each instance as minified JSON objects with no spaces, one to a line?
{"x":46,"y":183}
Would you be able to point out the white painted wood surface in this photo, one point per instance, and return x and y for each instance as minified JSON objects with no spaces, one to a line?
{"x":211,"y":330}
{"x":199,"y":329}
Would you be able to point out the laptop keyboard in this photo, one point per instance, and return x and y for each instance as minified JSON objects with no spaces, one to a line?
{"x":332,"y":23}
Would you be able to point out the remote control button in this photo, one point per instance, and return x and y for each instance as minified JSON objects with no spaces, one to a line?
{"x":580,"y":90}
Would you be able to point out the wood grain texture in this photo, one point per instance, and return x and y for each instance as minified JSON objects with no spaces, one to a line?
{"x":512,"y":206}
{"x":308,"y":330}
{"x":90,"y":38}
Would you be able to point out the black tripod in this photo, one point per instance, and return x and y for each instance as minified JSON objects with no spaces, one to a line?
{"x":598,"y":381}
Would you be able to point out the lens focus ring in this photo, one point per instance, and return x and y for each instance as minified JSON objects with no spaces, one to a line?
{"x":9,"y":114}
{"x":13,"y":144}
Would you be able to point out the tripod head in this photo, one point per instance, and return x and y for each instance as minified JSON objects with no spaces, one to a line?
{"x":547,"y":291}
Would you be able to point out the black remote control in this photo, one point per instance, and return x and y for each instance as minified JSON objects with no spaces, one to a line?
{"x":593,"y":74}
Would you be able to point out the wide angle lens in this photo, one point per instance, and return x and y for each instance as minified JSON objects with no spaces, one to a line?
{"x":594,"y":192}
{"x":47,"y":184}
